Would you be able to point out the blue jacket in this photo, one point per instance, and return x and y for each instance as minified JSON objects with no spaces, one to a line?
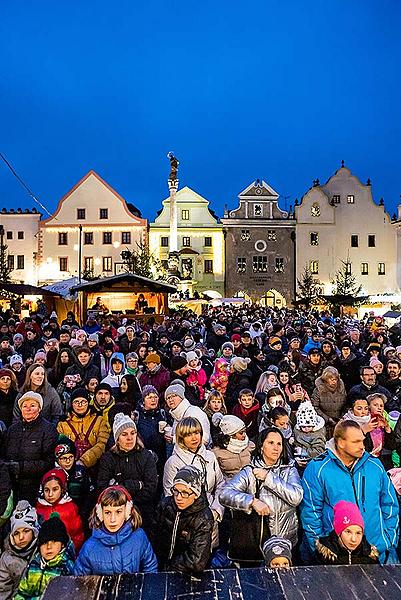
{"x":326,"y":481}
{"x":126,"y":551}
{"x":310,"y":344}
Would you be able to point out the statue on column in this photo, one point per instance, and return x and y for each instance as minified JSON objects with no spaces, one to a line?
{"x":173,"y":166}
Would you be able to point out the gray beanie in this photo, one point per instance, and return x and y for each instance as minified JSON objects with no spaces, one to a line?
{"x":191,"y":477}
{"x":227,"y":345}
{"x":176,"y":389}
{"x":120,"y":423}
{"x":24,"y":515}
{"x":93,"y":337}
{"x":277,"y":546}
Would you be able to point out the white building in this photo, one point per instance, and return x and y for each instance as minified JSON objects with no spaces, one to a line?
{"x":21,"y":238}
{"x":91,"y":220}
{"x":339,"y":221}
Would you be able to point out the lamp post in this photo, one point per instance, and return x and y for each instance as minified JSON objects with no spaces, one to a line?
{"x":173,"y":261}
{"x":80,"y":254}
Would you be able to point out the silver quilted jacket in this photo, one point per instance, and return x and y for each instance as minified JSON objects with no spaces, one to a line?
{"x":281,"y":491}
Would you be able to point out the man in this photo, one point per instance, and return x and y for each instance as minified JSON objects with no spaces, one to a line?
{"x":392,"y":383}
{"x":217,"y":337}
{"x":128,"y":342}
{"x":103,"y":400}
{"x":180,"y":408}
{"x":116,"y":372}
{"x":155,"y":373}
{"x":367,"y":386}
{"x":347,"y":472}
{"x":84,"y":365}
{"x":64,"y":338}
{"x":311,"y":369}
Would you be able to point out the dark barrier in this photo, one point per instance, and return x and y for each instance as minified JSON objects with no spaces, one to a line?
{"x":300,"y":583}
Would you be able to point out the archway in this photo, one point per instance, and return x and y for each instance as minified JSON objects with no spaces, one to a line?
{"x":273,"y":298}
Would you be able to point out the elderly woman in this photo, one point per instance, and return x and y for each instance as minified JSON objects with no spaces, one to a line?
{"x":36,"y":381}
{"x":270,"y":486}
{"x":29,"y":447}
{"x":150,"y":415}
{"x":329,"y":397}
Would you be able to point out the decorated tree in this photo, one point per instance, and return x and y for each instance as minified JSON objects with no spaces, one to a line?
{"x":307,"y":288}
{"x":5,"y":269}
{"x":143,"y":262}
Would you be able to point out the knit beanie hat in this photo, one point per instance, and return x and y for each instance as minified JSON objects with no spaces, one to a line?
{"x":53,"y":530}
{"x":274,"y":340}
{"x":80,"y":332}
{"x":240,"y":364}
{"x":345,"y":514}
{"x":55,"y":473}
{"x":16,"y":358}
{"x":191,"y":477}
{"x":148,"y":389}
{"x":4,"y":372}
{"x":235,"y":338}
{"x":178,"y":362}
{"x":24,"y":515}
{"x":31,"y":396}
{"x":93,"y":337}
{"x":131,"y":355}
{"x":306,"y":415}
{"x":122,"y":422}
{"x":191,"y":356}
{"x":277,"y":546}
{"x":374,"y":346}
{"x":40,"y":355}
{"x":229,"y":424}
{"x":103,"y":386}
{"x":345,"y":344}
{"x":374,"y":361}
{"x":152,"y":357}
{"x":64,"y":446}
{"x":80,"y":393}
{"x":18,"y":336}
{"x":229,"y":345}
{"x":189,"y":344}
{"x":176,"y":389}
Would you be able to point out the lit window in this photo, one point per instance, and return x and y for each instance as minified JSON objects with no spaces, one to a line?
{"x":164,"y":241}
{"x":314,"y":238}
{"x":103,"y":213}
{"x":88,"y":263}
{"x":81,"y":214}
{"x":10,"y":262}
{"x":259,"y":264}
{"x":351,"y":199}
{"x":208,"y":266}
{"x":63,"y":263}
{"x":107,"y":263}
{"x":279,"y":266}
{"x":354,"y":241}
{"x":364,"y":269}
{"x":371,"y":241}
{"x":186,"y":241}
{"x":257,"y":210}
{"x":315,"y":210}
{"x":62,"y":239}
{"x":185,"y":214}
{"x":314,"y":267}
{"x":20,"y":235}
{"x":208,"y":242}
{"x":126,"y":237}
{"x":20,"y":261}
{"x":241,"y":264}
{"x":245,"y":235}
{"x":107,"y":237}
{"x":348,"y":268}
{"x":271,"y":235}
{"x":381,"y":269}
{"x":88,"y":238}
{"x":336,"y":199}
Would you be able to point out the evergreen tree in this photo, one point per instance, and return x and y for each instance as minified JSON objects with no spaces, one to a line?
{"x":307,"y":288}
{"x":345,"y":283}
{"x":5,"y":270}
{"x":142,"y":262}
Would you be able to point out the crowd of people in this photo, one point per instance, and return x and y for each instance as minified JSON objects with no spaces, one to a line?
{"x":241,"y":437}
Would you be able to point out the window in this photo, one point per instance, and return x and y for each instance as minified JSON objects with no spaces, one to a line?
{"x":20,"y":235}
{"x":271,"y":235}
{"x":62,"y":239}
{"x":20,"y":261}
{"x":348,"y":268}
{"x":185,"y":215}
{"x":371,"y":241}
{"x":186,"y":241}
{"x":164,"y":241}
{"x":126,"y":237}
{"x":381,"y":269}
{"x":314,"y":238}
{"x":63,"y":263}
{"x":10,"y":262}
{"x":257,"y":210}
{"x":279,"y":266}
{"x":208,"y":266}
{"x":336,"y":199}
{"x":245,"y":235}
{"x":351,"y":199}
{"x":103,"y":213}
{"x":315,"y":210}
{"x":259,"y":264}
{"x":364,"y":269}
{"x":107,"y":237}
{"x":208,"y":242}
{"x":88,"y":263}
{"x":241,"y":264}
{"x":107,"y":263}
{"x":354,"y":241}
{"x":9,"y":235}
{"x":88,"y":238}
{"x":314,"y":267}
{"x":81,"y":213}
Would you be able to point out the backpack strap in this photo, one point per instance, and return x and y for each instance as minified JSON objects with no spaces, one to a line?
{"x":74,"y":431}
{"x":91,"y":426}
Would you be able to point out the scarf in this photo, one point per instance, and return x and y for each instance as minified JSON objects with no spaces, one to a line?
{"x":237,"y":446}
{"x":360,"y":420}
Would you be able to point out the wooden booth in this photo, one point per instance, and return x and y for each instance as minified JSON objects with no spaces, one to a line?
{"x":127,"y":293}
{"x":23,"y":298}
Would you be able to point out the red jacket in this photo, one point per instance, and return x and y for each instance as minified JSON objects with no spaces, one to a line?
{"x":68,"y":513}
{"x":160,"y":379}
{"x":250,"y":418}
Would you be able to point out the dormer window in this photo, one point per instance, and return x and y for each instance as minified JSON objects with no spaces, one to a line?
{"x":336,"y":199}
{"x":257,"y":210}
{"x":315,"y":210}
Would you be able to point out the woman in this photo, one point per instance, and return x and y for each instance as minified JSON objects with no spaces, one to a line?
{"x":233,"y":448}
{"x":269,"y":486}
{"x":129,"y":464}
{"x":118,"y":543}
{"x":329,"y":398}
{"x":150,"y":415}
{"x":65,"y":359}
{"x":132,"y":364}
{"x":130,"y":390}
{"x":87,"y":430}
{"x":36,"y":381}
{"x":142,"y":352}
{"x":8,"y":393}
{"x":29,"y":445}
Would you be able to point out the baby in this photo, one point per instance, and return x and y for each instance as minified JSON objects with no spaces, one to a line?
{"x":309,"y":434}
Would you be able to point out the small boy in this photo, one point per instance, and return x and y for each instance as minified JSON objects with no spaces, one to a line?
{"x":277,"y":553}
{"x":309,"y":434}
{"x":55,"y":557}
{"x":346,"y":544}
{"x":19,"y":548}
{"x":247,"y":409}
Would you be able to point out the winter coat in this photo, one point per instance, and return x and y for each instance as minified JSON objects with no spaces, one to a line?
{"x":326,"y":481}
{"x":32,"y":446}
{"x":13,"y":563}
{"x":362,"y":391}
{"x":182,"y":539}
{"x":328,"y":404}
{"x":207,"y":463}
{"x":250,"y":417}
{"x":97,"y":438}
{"x":329,"y":551}
{"x":5,"y":488}
{"x":314,"y":442}
{"x":68,"y":512}
{"x":196,"y":381}
{"x":127,"y":346}
{"x":160,"y":379}
{"x":7,"y":406}
{"x":349,"y":370}
{"x":281,"y":491}
{"x":78,"y":484}
{"x":231,"y":463}
{"x":112,"y":378}
{"x":126,"y":551}
{"x":40,"y":572}
{"x":308,"y":373}
{"x":237,"y":382}
{"x":52,"y":408}
{"x":136,"y":471}
{"x":185,"y":409}
{"x":148,"y":429}
{"x":87,"y":372}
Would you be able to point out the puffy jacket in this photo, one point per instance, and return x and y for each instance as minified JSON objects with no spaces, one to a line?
{"x":363,"y":391}
{"x":148,"y":428}
{"x":185,"y":409}
{"x":7,"y":406}
{"x":182,"y":539}
{"x":237,"y":382}
{"x":329,"y":551}
{"x":329,"y":404}
{"x":308,"y":373}
{"x":126,"y":551}
{"x":160,"y":379}
{"x":52,"y":408}
{"x":281,"y":491}
{"x":32,"y":446}
{"x":207,"y":463}
{"x":113,"y":378}
{"x":97,"y":438}
{"x":12,"y":566}
{"x":67,"y":510}
{"x":326,"y":481}
{"x":231,"y":463}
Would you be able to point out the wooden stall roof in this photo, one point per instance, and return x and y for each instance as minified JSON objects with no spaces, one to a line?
{"x":121,"y":282}
{"x":24,"y":289}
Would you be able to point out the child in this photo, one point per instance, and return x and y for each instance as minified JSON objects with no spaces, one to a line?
{"x":196,"y":376}
{"x":280,"y":419}
{"x":19,"y":548}
{"x":214,"y":405}
{"x":116,"y":523}
{"x":273,"y":398}
{"x":277,"y":553}
{"x":247,"y":409}
{"x":55,"y":557}
{"x":219,"y":378}
{"x":346,"y":544}
{"x":380,"y":431}
{"x":78,"y":485}
{"x":54,"y":498}
{"x":309,"y":433}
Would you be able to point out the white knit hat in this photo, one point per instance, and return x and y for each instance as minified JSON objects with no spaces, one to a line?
{"x":31,"y":396}
{"x":229,"y":424}
{"x":24,"y":515}
{"x":120,"y":423}
{"x":306,"y":415}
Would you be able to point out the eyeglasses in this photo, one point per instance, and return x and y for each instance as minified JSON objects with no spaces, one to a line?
{"x":80,"y":402}
{"x":185,"y":495}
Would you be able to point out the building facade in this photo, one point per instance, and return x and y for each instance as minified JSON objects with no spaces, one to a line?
{"x":339,"y":222}
{"x":93,"y":223}
{"x":20,"y":235}
{"x":200,"y":241}
{"x":260,"y":247}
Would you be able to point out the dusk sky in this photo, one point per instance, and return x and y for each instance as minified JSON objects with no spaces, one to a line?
{"x":281,"y":91}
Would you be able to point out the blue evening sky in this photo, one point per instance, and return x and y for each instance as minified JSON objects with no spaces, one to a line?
{"x":238,"y":90}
